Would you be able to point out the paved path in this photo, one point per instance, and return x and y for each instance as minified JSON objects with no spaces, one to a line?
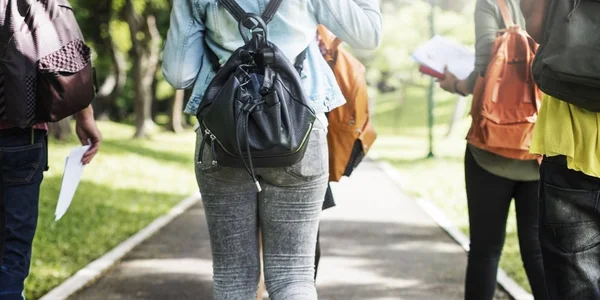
{"x":378,"y":244}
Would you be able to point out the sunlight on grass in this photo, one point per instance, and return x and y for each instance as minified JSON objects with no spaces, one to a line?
{"x":130,"y":183}
{"x":403,"y":142}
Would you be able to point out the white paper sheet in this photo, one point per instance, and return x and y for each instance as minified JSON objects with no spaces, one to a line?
{"x":440,"y":52}
{"x":71,"y":178}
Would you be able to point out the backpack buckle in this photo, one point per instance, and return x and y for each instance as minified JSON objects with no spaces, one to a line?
{"x":268,"y":56}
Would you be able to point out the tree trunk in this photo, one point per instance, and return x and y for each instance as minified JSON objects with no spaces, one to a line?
{"x":155,"y":102}
{"x":146,"y":41}
{"x":113,"y":86}
{"x":60,"y":130}
{"x":176,"y":112}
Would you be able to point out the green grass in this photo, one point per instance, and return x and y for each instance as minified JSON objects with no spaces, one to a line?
{"x":403,"y":141}
{"x":130,"y":183}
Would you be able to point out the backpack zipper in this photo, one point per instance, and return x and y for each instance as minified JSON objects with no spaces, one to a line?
{"x":207,"y":135}
{"x":213,"y":138}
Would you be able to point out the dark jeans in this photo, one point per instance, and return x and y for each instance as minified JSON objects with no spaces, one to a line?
{"x":2,"y":227}
{"x":570,"y":235}
{"x":489,"y":197}
{"x":23,"y":159}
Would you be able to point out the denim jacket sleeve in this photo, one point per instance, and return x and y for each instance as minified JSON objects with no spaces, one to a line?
{"x":356,"y":22}
{"x":184,"y":41}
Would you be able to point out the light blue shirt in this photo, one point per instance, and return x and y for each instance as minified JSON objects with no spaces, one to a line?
{"x":293,"y":29}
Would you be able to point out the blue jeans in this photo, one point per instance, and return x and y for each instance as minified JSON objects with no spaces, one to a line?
{"x":570,"y":235}
{"x":23,"y":159}
{"x":287,"y":212}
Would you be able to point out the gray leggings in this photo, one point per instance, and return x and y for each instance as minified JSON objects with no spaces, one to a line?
{"x":287,"y":211}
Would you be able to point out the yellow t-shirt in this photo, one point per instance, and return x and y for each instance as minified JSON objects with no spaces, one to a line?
{"x":565,"y":129}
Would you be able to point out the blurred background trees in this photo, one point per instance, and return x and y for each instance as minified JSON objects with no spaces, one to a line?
{"x":128,"y":36}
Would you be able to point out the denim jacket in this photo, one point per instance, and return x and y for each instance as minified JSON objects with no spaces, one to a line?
{"x":293,"y":29}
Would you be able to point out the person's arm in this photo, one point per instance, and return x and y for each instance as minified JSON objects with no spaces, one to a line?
{"x":486,"y":28}
{"x":356,"y":22}
{"x":88,"y":133}
{"x":184,"y":46}
{"x":535,"y":12}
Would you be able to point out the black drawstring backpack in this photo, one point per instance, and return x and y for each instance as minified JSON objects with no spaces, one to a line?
{"x":255,"y":113}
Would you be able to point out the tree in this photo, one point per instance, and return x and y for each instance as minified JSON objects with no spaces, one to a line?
{"x":175,"y":112}
{"x":146,"y":42}
{"x":95,"y":21}
{"x":113,"y":85}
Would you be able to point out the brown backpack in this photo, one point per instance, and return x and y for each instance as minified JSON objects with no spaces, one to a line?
{"x":46,"y":66}
{"x":506,"y":100}
{"x":351,"y":131}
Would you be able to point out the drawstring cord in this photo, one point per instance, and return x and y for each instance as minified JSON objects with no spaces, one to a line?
{"x":249,"y":165}
{"x":575,"y":6}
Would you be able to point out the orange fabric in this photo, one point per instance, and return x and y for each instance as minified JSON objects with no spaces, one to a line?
{"x":506,"y":100}
{"x":351,"y":122}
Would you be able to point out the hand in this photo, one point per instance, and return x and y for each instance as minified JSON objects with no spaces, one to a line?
{"x":448,"y":83}
{"x":88,"y":132}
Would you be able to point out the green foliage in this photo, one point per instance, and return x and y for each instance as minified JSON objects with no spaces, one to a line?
{"x":119,"y":31}
{"x":103,"y":23}
{"x":130,"y":183}
{"x":406,"y":26}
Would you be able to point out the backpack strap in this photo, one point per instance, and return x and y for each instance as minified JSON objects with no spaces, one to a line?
{"x":240,"y":14}
{"x":270,"y":10}
{"x":299,"y":63}
{"x":506,"y":16}
{"x":234,"y":9}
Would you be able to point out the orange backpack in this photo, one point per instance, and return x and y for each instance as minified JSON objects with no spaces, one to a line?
{"x":506,"y":100}
{"x":351,"y":131}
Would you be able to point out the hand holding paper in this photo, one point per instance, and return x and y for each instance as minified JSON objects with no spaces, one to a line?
{"x":71,"y":178}
{"x":439,"y":53}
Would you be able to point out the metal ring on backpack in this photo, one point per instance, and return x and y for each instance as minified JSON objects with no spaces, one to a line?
{"x":252,"y":22}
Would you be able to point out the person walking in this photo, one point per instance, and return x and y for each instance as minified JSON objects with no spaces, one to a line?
{"x":202,"y":37}
{"x":493,"y":180}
